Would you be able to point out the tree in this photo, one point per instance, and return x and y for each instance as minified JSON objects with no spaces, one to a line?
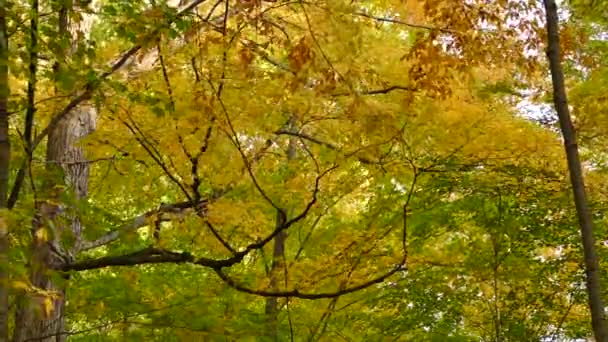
{"x":5,"y":156}
{"x":576,"y":175}
{"x":410,"y":180}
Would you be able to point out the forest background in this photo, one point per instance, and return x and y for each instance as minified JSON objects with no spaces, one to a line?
{"x":320,"y":170}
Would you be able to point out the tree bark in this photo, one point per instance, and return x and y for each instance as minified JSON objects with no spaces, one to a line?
{"x":47,"y":254}
{"x":37,"y":317}
{"x":560,"y":100}
{"x":5,"y":155}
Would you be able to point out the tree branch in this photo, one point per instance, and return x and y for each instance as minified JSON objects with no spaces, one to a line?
{"x":320,"y":142}
{"x":376,"y":91}
{"x":159,"y":256}
{"x":86,"y":94}
{"x":303,"y":295}
{"x":92,"y":85}
{"x":144,"y":256}
{"x":404,"y":23}
{"x":138,"y":222}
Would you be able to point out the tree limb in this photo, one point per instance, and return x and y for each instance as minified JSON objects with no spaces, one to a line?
{"x":145,"y":256}
{"x":376,"y":91}
{"x":138,"y":222}
{"x":303,"y":295}
{"x":92,"y":85}
{"x":404,"y":23}
{"x":320,"y":142}
{"x":89,"y":88}
{"x":159,"y":256}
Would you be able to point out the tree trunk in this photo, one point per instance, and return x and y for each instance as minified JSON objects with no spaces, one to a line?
{"x":277,"y":261}
{"x":278,"y":254}
{"x":35,"y":319}
{"x":42,"y":317}
{"x":560,"y":100}
{"x":5,"y":154}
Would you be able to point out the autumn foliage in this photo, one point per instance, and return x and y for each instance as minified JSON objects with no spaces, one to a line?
{"x":296,"y":170}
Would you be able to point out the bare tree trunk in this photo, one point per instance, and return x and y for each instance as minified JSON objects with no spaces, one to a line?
{"x":42,"y":318}
{"x":560,"y":100}
{"x":5,"y":155}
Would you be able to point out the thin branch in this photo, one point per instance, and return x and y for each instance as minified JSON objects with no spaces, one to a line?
{"x":326,"y":313}
{"x":165,"y":74}
{"x":315,"y":192}
{"x":138,"y":222}
{"x":401,"y":22}
{"x":47,"y":99}
{"x":155,"y":155}
{"x":217,"y":235}
{"x":376,"y":91}
{"x":554,"y":336}
{"x":316,"y":41}
{"x":213,"y":8}
{"x":322,"y":143}
{"x":303,"y":295}
{"x":306,"y":137}
{"x":235,"y":140}
{"x":31,"y":85}
{"x":89,"y":88}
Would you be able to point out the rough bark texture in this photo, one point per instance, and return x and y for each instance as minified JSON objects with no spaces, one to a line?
{"x":41,"y":318}
{"x":63,"y":155}
{"x":5,"y":150}
{"x":37,"y":318}
{"x":560,"y":99}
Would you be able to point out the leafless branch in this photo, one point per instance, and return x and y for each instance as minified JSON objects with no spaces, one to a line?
{"x":404,"y":23}
{"x":155,"y":155}
{"x":303,"y":295}
{"x":376,"y":91}
{"x":322,"y":143}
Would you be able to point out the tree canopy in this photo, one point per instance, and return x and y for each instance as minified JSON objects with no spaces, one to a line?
{"x":319,"y":170}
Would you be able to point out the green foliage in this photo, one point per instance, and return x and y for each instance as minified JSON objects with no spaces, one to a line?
{"x":376,"y":142}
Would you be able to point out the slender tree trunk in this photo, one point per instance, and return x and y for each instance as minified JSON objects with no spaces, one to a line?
{"x":278,"y":254}
{"x":5,"y":154}
{"x":560,"y":100}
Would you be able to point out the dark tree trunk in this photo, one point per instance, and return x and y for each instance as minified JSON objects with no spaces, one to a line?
{"x":560,"y":100}
{"x":278,"y":255}
{"x":5,"y":154}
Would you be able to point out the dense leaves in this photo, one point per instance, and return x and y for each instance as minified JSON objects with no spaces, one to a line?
{"x":367,"y":164}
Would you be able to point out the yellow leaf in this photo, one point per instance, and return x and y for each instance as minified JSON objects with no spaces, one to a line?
{"x":42,"y":235}
{"x":47,"y":306}
{"x":20,"y":285}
